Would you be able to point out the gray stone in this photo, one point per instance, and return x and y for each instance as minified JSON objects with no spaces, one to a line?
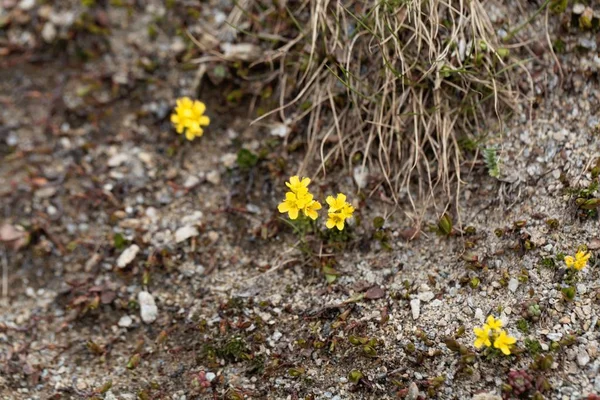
{"x":582,"y":358}
{"x":513,"y":285}
{"x":426,"y":296}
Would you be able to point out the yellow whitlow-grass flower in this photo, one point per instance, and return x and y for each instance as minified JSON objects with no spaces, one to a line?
{"x":503,"y":342}
{"x":339,"y":211}
{"x":336,"y":203}
{"x":298,"y":185}
{"x":294,"y":203}
{"x":493,"y":323}
{"x":310,"y":209}
{"x":189,"y":117}
{"x":335,"y":219}
{"x":482,"y":337}
{"x":579,"y":261}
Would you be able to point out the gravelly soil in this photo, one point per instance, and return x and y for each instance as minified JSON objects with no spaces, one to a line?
{"x":92,"y":169}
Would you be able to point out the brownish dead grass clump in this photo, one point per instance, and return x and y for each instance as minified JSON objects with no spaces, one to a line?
{"x":401,"y":87}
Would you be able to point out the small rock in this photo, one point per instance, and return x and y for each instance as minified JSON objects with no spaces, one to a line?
{"x":582,"y":358}
{"x":214,"y":177}
{"x":191,"y":181}
{"x":178,"y":45}
{"x":415,"y":308}
{"x":277,"y":335}
{"x":125,"y":321}
{"x":413,"y":391}
{"x":109,"y":396}
{"x":578,"y":8}
{"x":361,"y":176}
{"x":479,"y":314}
{"x":279,"y":129}
{"x":555,"y":337}
{"x":210,"y":376}
{"x":127,"y":256}
{"x":213,"y":236}
{"x":184,"y":233}
{"x":375,"y":293}
{"x":426,"y":296}
{"x":48,"y":32}
{"x":586,"y":43}
{"x":117,"y":160}
{"x":148,"y":309}
{"x":229,"y":160}
{"x":513,"y":285}
{"x":486,"y":396}
{"x":26,"y":5}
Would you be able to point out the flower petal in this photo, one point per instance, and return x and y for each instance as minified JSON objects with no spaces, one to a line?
{"x":204,"y":120}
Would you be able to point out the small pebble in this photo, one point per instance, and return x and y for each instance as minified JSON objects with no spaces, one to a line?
{"x":184,"y":233}
{"x":415,"y":308}
{"x":127,"y":256}
{"x":148,"y":309}
{"x":125,"y":321}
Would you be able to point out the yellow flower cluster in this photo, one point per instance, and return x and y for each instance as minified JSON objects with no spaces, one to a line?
{"x":339,"y":211}
{"x":491,"y":331}
{"x":299,"y":199}
{"x":579,"y":261}
{"x":189,"y":117}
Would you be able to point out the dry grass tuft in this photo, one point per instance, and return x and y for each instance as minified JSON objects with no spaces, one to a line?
{"x":397,"y":86}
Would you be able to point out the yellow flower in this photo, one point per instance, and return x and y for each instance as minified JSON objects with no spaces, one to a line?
{"x":580,"y":261}
{"x":347,"y":211}
{"x":337,"y":204}
{"x":335,"y":219}
{"x":339,"y":211}
{"x":293,"y":203}
{"x":570,"y":261}
{"x":310,"y":209}
{"x":298,"y":185}
{"x":503,"y":341}
{"x":492,"y":323}
{"x":482,"y":337}
{"x":189,"y":117}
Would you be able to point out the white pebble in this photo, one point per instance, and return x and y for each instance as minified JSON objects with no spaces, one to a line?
{"x":148,"y":309}
{"x":184,"y":233}
{"x":415,"y":308}
{"x":125,"y":321}
{"x":513,"y":285}
{"x":128,"y":256}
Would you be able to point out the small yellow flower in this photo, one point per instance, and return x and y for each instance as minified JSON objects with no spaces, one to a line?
{"x":503,"y":342}
{"x":189,"y":117}
{"x":298,"y":185}
{"x":482,"y":337}
{"x":570,"y":261}
{"x":347,"y":211}
{"x":492,"y":323}
{"x":310,"y":209}
{"x":335,"y":219}
{"x":336,"y":203}
{"x":293,"y":203}
{"x":580,"y":261}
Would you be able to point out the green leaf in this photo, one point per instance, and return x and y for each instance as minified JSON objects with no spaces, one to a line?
{"x":246,"y":159}
{"x":445,"y":224}
{"x":119,"y":241}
